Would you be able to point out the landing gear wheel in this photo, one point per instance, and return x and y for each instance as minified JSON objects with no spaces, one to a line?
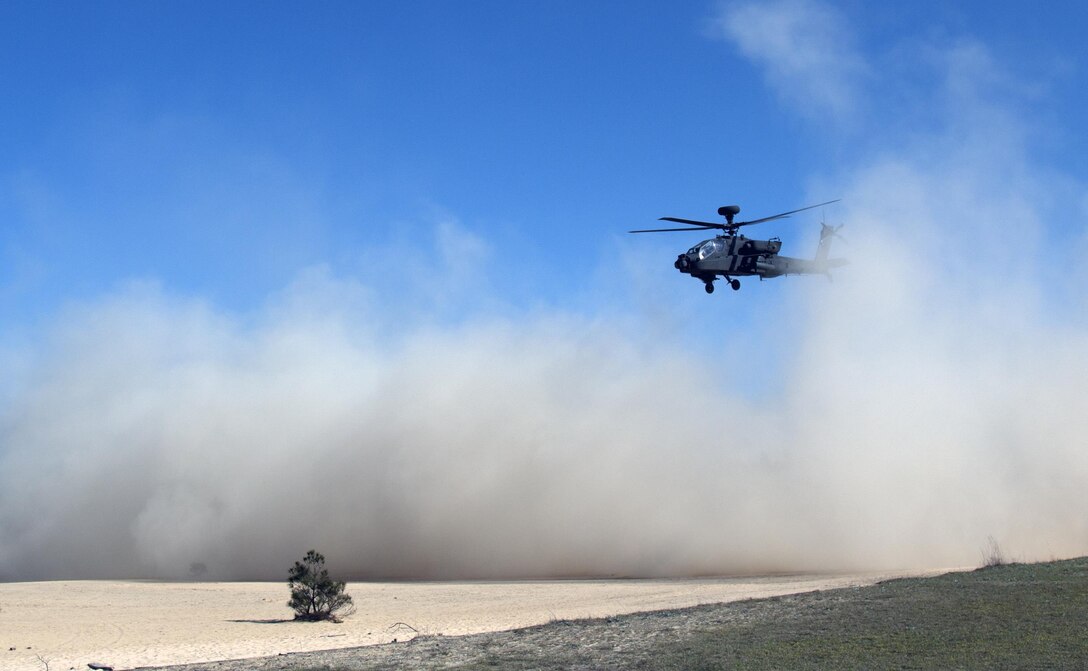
{"x":709,"y":287}
{"x":735,"y":284}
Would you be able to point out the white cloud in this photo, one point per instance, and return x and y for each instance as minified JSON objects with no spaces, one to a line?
{"x":807,"y":50}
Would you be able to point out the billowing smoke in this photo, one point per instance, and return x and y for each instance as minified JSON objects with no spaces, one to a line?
{"x":930,"y":398}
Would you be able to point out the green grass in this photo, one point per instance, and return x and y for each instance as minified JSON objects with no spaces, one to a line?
{"x":1006,"y":617}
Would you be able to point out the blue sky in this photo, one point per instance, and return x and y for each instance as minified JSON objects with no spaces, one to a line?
{"x":393,"y":236}
{"x":220,"y":149}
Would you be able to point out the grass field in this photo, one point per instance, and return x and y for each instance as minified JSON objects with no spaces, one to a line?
{"x":1006,"y":617}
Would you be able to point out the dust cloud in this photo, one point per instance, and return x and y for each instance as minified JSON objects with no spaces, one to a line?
{"x":917,"y":416}
{"x":929,"y":399}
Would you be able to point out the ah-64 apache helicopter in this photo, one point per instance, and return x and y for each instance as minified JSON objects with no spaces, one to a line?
{"x":731,"y":255}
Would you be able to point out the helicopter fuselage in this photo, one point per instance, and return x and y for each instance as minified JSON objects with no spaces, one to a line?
{"x":732,"y":256}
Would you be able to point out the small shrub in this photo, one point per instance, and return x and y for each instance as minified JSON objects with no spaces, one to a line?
{"x":314,"y":595}
{"x":992,"y":555}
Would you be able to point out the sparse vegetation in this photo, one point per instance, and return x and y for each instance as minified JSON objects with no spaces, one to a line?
{"x":1012,"y":616}
{"x":992,"y":554}
{"x":314,"y":595}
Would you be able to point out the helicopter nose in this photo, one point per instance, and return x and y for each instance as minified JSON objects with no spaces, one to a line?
{"x":682,"y":262}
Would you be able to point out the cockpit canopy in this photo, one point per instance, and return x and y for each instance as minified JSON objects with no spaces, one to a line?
{"x":707,"y":248}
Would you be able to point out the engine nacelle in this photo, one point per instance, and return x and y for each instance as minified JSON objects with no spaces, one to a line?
{"x":760,"y":247}
{"x":769,"y":269}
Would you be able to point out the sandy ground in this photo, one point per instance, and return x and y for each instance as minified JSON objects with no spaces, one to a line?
{"x":129,"y":624}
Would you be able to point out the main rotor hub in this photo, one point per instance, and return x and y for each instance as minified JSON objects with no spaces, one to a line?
{"x":729,"y":211}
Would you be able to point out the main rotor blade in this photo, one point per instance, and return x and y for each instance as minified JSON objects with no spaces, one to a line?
{"x":709,"y":224}
{"x":668,"y":230}
{"x":784,"y":214}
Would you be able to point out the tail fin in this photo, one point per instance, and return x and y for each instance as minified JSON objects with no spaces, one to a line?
{"x":824,"y":249}
{"x":826,"y":233}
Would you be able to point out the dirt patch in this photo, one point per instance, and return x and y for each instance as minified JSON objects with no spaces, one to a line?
{"x":149,"y":624}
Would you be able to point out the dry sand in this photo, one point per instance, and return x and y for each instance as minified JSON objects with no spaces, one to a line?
{"x":129,"y":624}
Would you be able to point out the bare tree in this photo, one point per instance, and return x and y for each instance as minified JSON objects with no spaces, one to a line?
{"x":197,"y":570}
